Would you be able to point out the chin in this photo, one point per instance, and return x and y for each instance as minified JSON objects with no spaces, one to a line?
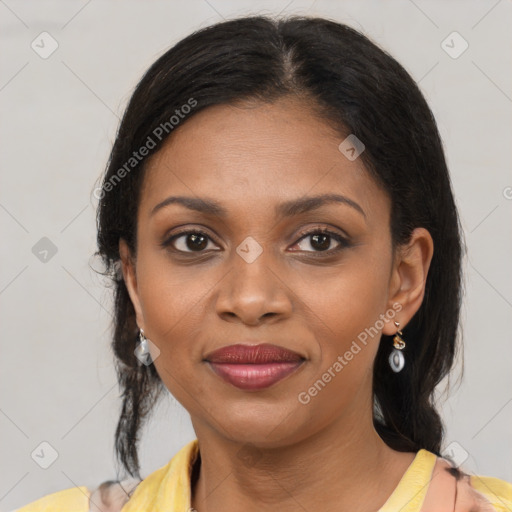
{"x":263,"y":425}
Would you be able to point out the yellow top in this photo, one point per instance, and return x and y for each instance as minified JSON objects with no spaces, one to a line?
{"x":168,"y":489}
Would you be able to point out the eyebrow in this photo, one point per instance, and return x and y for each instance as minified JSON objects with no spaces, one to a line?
{"x":286,"y":209}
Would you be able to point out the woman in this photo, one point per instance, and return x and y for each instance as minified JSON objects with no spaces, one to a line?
{"x":278,"y":220}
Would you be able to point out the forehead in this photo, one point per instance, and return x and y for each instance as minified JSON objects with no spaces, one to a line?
{"x":257,"y":155}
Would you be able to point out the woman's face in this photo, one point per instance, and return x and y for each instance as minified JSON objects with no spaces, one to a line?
{"x":261,"y":272}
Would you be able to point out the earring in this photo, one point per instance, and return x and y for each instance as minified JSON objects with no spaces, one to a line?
{"x":396,"y":358}
{"x":142,"y":350}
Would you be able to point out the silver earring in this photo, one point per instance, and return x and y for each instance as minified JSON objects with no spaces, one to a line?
{"x":396,"y":358}
{"x":142,"y":350}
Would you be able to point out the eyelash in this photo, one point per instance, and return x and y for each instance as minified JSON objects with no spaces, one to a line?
{"x":344,"y":243}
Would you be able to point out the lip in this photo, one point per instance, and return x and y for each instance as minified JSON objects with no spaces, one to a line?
{"x":253,"y":367}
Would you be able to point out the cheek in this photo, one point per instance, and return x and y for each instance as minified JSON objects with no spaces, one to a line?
{"x":174,"y":300}
{"x":347,"y":306}
{"x":168,"y":292}
{"x":349,"y":299}
{"x":170,"y":304}
{"x":171,"y":299}
{"x":347,"y":311}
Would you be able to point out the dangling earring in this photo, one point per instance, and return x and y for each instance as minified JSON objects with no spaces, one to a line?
{"x":396,"y":358}
{"x":142,"y":350}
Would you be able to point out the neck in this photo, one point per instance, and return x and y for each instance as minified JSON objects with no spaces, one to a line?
{"x":334,"y":469}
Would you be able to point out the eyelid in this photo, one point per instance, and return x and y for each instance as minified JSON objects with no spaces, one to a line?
{"x":323,"y":228}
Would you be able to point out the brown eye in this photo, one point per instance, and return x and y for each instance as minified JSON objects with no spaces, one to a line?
{"x":189,"y":241}
{"x":321,"y":240}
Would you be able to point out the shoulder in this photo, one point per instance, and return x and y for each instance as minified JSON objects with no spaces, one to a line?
{"x":75,"y":499}
{"x":452,"y":489}
{"x":110,"y":496}
{"x":498,"y":492}
{"x":113,"y":495}
{"x":168,"y":484}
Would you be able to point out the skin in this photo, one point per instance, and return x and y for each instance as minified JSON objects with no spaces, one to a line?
{"x":264,"y":450}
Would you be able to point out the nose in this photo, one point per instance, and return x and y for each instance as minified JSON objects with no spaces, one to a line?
{"x":253,"y":291}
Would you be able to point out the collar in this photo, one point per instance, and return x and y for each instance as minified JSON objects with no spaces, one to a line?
{"x":169,"y":488}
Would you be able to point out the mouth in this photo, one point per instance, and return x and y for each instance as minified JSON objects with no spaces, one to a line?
{"x":253,"y":367}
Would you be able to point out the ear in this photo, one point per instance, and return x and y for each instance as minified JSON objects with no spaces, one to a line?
{"x":408,"y":278}
{"x":130,"y":279}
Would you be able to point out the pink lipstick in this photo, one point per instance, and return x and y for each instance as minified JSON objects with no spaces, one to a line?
{"x":253,"y":367}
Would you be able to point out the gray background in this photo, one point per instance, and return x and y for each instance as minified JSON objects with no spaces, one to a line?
{"x":59,"y":117}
